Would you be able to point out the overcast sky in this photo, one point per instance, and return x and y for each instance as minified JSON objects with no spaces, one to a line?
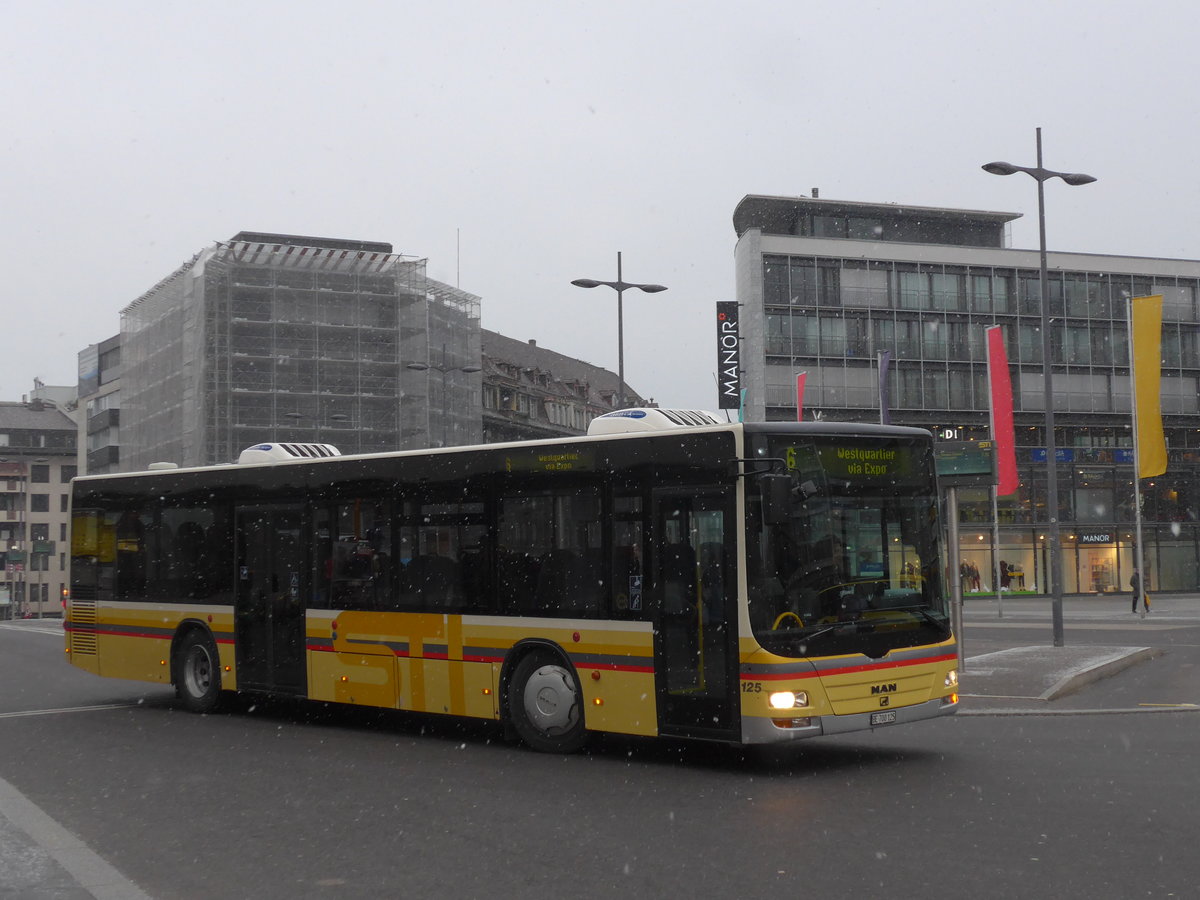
{"x":519,"y":145}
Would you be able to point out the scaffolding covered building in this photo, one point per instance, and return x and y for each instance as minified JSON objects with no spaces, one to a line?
{"x":298,"y":339}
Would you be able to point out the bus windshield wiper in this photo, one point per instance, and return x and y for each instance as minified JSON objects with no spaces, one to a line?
{"x":858,"y":624}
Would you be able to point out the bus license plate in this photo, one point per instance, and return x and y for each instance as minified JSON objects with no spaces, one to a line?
{"x":883,"y":718}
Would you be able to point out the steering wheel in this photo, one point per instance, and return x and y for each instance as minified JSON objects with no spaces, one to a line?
{"x":783,"y":616}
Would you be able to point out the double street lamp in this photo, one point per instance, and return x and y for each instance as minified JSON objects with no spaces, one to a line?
{"x":1041,"y":176}
{"x":443,"y":369}
{"x":620,"y":287}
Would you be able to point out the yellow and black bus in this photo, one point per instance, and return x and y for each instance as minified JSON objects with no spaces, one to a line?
{"x":668,"y":574}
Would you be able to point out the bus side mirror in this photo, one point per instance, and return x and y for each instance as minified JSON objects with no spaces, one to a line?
{"x":776,"y":491}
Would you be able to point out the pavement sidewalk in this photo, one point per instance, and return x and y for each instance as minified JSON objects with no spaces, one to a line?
{"x":1000,"y":677}
{"x":1043,"y":673}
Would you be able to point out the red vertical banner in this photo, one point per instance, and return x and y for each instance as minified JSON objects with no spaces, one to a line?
{"x":1000,"y":380}
{"x":800,"y":394}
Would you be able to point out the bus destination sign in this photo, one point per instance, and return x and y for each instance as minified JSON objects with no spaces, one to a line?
{"x":550,"y":461}
{"x":867,"y":465}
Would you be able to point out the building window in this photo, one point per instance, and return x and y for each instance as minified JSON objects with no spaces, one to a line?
{"x":106,"y":402}
{"x":914,"y":290}
{"x":109,"y":360}
{"x":39,"y":503}
{"x":865,"y":229}
{"x":946,"y":291}
{"x":829,"y":226}
{"x":863,"y":287}
{"x":39,"y":474}
{"x":66,"y":473}
{"x":62,"y":502}
{"x":775,"y":280}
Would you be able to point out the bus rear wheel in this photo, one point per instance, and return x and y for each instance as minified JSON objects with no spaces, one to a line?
{"x":545,"y":705}
{"x":197,"y":673}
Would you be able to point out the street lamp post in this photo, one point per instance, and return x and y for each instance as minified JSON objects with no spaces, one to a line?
{"x":1041,"y":176}
{"x":14,"y":611}
{"x":619,"y":286}
{"x":443,"y":370}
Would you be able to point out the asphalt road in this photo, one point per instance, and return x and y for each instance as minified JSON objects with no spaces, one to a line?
{"x":298,"y":801}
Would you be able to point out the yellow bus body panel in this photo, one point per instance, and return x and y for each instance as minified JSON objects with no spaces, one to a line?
{"x":845,"y":685}
{"x":133,"y":640}
{"x":360,"y":678}
{"x":449,"y":663}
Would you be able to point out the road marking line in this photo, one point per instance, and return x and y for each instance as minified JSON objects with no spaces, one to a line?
{"x":999,"y":697}
{"x":66,"y":709}
{"x":92,"y":873}
{"x":1172,"y":705}
{"x":1080,"y":626}
{"x":1077,"y":712}
{"x":57,"y":632}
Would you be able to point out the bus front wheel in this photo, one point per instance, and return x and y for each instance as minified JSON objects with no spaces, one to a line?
{"x":198,"y":673}
{"x":545,"y":705}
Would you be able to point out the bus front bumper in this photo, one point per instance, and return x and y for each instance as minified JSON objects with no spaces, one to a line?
{"x":774,"y":731}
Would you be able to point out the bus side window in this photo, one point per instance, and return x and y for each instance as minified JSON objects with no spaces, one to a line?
{"x":443,"y":563}
{"x":550,"y":557}
{"x":525,"y":535}
{"x":322,"y":558}
{"x":131,"y":554}
{"x":353,"y":558}
{"x":434,"y":575}
{"x":189,"y":571}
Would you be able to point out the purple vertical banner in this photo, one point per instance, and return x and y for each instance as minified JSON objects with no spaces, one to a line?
{"x":885,"y":412}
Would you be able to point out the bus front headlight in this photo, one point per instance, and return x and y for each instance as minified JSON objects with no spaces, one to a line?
{"x":951,"y":678}
{"x":787,"y":699}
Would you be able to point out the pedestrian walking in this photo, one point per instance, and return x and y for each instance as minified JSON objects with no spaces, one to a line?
{"x":1135,"y":582}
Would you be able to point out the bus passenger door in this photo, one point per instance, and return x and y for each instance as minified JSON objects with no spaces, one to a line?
{"x":269,"y":602}
{"x":692,"y":588}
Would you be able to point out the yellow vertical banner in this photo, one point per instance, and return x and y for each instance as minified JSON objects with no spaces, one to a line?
{"x":1146,"y":347}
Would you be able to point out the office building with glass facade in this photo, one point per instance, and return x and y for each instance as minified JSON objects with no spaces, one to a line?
{"x":825,"y":286}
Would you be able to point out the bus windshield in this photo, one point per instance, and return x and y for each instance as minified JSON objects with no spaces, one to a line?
{"x":855,"y":565}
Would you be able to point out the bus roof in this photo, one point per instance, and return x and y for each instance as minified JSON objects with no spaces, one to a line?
{"x":264,"y":460}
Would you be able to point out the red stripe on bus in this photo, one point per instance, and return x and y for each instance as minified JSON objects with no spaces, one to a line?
{"x":615,"y":667}
{"x":110,"y":631}
{"x":118,"y":632}
{"x":847,"y":670}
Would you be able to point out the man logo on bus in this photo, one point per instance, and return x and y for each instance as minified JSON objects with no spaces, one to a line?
{"x":888,"y":688}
